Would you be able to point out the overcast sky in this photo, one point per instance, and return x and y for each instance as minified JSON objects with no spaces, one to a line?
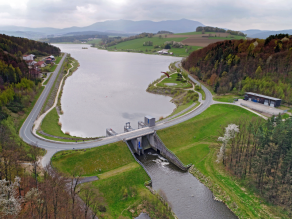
{"x":233,"y":14}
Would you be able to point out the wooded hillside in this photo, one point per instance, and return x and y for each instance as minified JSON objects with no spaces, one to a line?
{"x":17,"y":45}
{"x":262,"y":66}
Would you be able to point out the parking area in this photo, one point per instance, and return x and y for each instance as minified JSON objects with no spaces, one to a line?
{"x":259,"y":107}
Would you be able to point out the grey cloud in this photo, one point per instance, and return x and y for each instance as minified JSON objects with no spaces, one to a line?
{"x":240,"y":14}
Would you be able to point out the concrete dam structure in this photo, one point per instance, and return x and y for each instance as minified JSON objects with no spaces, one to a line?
{"x":139,"y":143}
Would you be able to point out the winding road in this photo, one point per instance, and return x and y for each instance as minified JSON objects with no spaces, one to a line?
{"x":53,"y":146}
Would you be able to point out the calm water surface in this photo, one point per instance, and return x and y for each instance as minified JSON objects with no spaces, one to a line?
{"x":109,"y":89}
{"x":188,"y":197}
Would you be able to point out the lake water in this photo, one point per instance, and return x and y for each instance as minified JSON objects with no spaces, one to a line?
{"x":109,"y":89}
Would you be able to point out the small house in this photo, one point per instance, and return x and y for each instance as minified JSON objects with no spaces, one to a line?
{"x":48,"y":60}
{"x":52,"y":57}
{"x":28,"y":57}
{"x":40,"y":64}
{"x":259,"y":98}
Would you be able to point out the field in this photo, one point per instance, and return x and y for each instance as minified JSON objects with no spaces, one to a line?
{"x":120,"y":187}
{"x":53,"y":68}
{"x":58,"y":59}
{"x":228,"y":98}
{"x":172,"y":79}
{"x":95,"y":41}
{"x":202,"y":40}
{"x":195,"y":141}
{"x":137,"y":46}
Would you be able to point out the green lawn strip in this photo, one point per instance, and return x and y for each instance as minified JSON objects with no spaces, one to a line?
{"x":181,"y":108}
{"x":56,"y":139}
{"x":52,"y":88}
{"x":198,"y":103}
{"x":172,"y":79}
{"x":46,"y":82}
{"x":53,"y":68}
{"x":203,"y":94}
{"x":94,"y":161}
{"x":227,"y":98}
{"x":50,"y":125}
{"x":58,"y":59}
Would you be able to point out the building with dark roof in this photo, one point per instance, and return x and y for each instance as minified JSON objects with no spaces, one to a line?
{"x":259,"y":98}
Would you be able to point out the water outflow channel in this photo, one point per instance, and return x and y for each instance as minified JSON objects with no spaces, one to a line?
{"x":187,"y":196}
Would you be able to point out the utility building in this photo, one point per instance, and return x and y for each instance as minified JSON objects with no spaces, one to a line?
{"x":149,"y":121}
{"x":266,"y":100}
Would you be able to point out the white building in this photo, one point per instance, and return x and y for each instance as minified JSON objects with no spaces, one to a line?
{"x":28,"y":57}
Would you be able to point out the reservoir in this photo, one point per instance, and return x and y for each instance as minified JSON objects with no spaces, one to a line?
{"x":109,"y":89}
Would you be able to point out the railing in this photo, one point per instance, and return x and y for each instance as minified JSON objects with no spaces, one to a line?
{"x":176,"y":160}
{"x":147,"y":182}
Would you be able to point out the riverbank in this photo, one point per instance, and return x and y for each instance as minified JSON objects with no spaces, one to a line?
{"x":120,"y":188}
{"x":50,"y":127}
{"x":195,"y":141}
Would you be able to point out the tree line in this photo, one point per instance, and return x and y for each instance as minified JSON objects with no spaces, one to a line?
{"x":218,"y":30}
{"x":260,"y":152}
{"x":231,"y":64}
{"x":73,"y":38}
{"x":18,"y":45}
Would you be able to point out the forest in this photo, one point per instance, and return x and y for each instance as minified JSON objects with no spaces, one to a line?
{"x":219,"y":30}
{"x":257,"y":65}
{"x":18,"y":46}
{"x":260,"y":152}
{"x":73,"y":38}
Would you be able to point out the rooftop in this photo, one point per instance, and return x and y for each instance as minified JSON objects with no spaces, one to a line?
{"x":260,"y":95}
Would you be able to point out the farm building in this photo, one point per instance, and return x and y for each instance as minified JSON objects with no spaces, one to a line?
{"x":266,"y":100}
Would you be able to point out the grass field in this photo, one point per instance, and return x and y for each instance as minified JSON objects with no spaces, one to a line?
{"x":137,"y":45}
{"x":121,"y":179}
{"x":95,"y":41}
{"x":46,"y":82}
{"x":172,"y":79}
{"x":58,"y":59}
{"x":94,"y":161}
{"x":228,"y":98}
{"x":53,"y":68}
{"x":195,"y":141}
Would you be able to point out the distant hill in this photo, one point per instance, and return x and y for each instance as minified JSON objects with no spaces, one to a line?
{"x":116,"y":26}
{"x":266,"y":66}
{"x":263,"y":34}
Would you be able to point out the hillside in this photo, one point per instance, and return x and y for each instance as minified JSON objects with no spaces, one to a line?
{"x":262,"y":66}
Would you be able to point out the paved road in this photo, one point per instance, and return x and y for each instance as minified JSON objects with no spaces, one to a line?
{"x":54,"y":146}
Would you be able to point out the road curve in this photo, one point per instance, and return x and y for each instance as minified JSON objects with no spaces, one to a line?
{"x":53,"y":146}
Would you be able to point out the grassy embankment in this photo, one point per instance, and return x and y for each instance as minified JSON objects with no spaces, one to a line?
{"x":58,"y":59}
{"x":46,"y":82}
{"x":53,"y":68}
{"x":195,"y":141}
{"x":228,"y":98}
{"x":136,"y":45}
{"x":173,"y":79}
{"x":121,"y":179}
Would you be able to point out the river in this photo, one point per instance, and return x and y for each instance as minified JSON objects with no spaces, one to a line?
{"x":187,"y":196}
{"x":109,"y":89}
